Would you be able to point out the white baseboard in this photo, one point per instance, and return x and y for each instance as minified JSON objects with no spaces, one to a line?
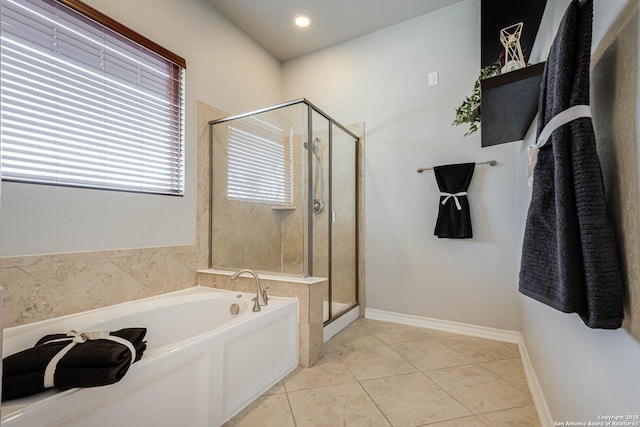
{"x":444,"y":325}
{"x":544,"y":415}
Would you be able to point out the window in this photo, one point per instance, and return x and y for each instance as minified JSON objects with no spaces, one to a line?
{"x":259,"y":162}
{"x":87,"y":102}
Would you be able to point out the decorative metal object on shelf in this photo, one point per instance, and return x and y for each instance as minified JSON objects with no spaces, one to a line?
{"x":510,"y":39}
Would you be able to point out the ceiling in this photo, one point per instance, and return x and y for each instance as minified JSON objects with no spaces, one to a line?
{"x":269,"y":22}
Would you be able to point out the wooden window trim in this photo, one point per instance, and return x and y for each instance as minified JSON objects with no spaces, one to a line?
{"x":108,"y":22}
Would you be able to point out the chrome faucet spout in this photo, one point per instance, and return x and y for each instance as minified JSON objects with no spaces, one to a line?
{"x":261,"y":298}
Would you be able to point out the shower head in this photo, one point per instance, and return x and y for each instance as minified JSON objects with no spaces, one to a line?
{"x":315,"y":148}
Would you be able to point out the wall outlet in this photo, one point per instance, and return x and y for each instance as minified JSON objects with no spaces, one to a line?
{"x":433,"y":78}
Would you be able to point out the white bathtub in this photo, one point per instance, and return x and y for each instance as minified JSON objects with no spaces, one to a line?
{"x":201,"y":367}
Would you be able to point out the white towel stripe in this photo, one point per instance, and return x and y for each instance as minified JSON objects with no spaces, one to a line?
{"x":559,"y":120}
{"x":455,"y":196}
{"x":75,"y":339}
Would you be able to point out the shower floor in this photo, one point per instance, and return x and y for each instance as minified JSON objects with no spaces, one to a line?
{"x":336,"y":308}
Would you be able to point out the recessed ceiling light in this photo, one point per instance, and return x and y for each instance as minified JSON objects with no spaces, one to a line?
{"x":302,"y":20}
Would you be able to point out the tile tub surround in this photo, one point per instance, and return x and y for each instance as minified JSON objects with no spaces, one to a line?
{"x":378,"y":373}
{"x":44,"y":286}
{"x":308,"y":290}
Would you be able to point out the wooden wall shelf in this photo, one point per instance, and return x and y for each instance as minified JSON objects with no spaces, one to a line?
{"x":509,"y":103}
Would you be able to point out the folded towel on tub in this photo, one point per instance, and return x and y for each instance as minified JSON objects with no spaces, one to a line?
{"x":85,"y":360}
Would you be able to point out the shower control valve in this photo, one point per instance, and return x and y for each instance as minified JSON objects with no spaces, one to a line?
{"x":318,"y":206}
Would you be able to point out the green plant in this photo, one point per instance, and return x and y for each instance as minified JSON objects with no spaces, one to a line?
{"x":469,"y":111}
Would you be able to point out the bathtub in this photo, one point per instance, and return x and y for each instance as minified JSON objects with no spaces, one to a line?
{"x":201,"y":367}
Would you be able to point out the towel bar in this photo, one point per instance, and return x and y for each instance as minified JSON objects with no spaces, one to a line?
{"x":488,"y":162}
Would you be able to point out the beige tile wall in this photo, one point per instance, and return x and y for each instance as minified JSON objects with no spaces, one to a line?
{"x":293,"y":231}
{"x":45,"y":286}
{"x":244,"y":233}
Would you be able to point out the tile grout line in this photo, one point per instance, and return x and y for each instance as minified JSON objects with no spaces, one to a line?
{"x":424,"y":373}
{"x":454,"y":419}
{"x":492,"y":373}
{"x":286,"y":392}
{"x":51,"y":288}
{"x":513,"y":383}
{"x":364,"y":388}
{"x":323,"y":386}
{"x":508,"y":409}
{"x":293,"y":417}
{"x":411,"y":373}
{"x":493,"y":359}
{"x":374,"y":402}
{"x":449,"y":394}
{"x":474,"y":414}
{"x":441,"y":340}
{"x":485,"y":361}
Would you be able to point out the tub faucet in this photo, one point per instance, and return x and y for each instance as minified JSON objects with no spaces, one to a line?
{"x":261,"y":298}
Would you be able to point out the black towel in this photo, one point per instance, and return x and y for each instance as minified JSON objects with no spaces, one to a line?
{"x":452,"y":222}
{"x":89,"y":364}
{"x":569,"y":259}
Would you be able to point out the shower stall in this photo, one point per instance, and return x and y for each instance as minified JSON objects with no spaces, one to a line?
{"x":284,"y":198}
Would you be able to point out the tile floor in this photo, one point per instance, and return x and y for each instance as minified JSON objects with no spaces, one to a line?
{"x":385,"y":374}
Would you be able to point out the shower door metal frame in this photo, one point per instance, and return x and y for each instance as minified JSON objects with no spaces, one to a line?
{"x":285,"y":104}
{"x":330,"y":229}
{"x":357,"y":222}
{"x":310,"y":109}
{"x":310,"y":194}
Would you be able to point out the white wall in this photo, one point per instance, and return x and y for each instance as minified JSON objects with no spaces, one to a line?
{"x":381,"y":79}
{"x":583,"y":372}
{"x":224,"y":68}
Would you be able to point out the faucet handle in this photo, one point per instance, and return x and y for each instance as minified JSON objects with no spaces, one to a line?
{"x":264,"y":292}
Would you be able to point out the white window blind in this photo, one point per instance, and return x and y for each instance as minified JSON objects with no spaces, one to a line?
{"x":260,"y":167}
{"x":84,"y":106}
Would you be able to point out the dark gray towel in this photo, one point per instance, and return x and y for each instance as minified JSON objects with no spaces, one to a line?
{"x":452,"y":222}
{"x":569,"y":259}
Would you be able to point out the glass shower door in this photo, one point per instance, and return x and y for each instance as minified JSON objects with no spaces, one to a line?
{"x":343,"y":222}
